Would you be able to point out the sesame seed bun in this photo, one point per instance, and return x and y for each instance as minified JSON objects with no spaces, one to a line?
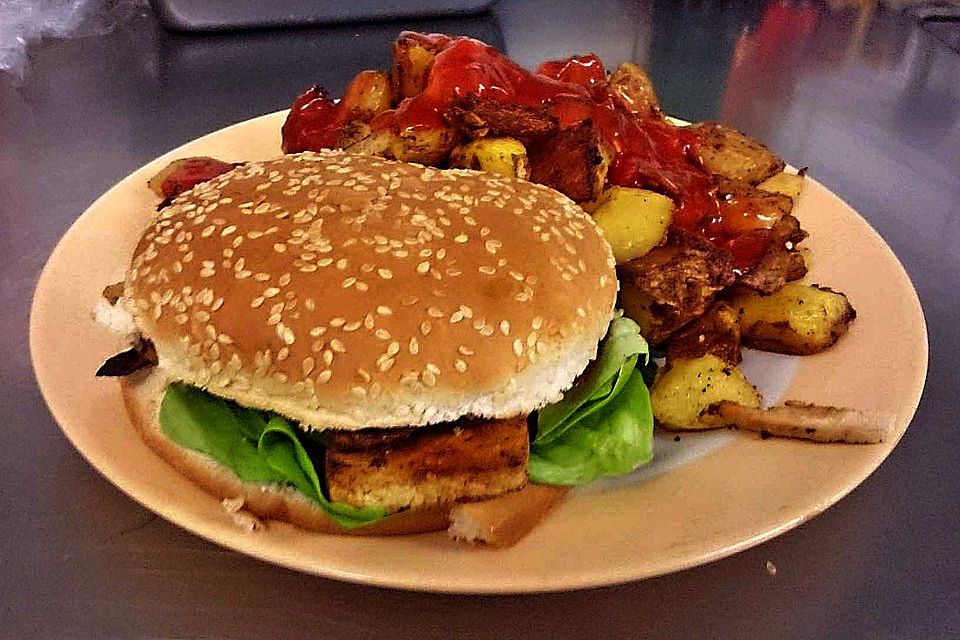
{"x":349,"y":291}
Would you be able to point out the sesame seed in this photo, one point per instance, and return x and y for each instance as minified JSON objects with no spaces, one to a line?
{"x":384,"y":310}
{"x":337,"y":346}
{"x":465,"y":350}
{"x":505,"y":327}
{"x":256,"y":302}
{"x":382,"y":334}
{"x":414,"y":346}
{"x":460,"y":365}
{"x":518,"y":347}
{"x":386,"y":274}
{"x":393,"y":348}
{"x":456,"y":317}
{"x":352,"y":326}
{"x":425,"y":328}
{"x":387,"y":364}
{"x":270,"y":292}
{"x":423,"y":267}
{"x":428,"y":378}
{"x":432,"y":368}
{"x":433,"y":312}
{"x":461,"y":239}
{"x":360,"y":392}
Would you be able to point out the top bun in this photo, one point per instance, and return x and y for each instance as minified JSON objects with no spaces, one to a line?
{"x":348,"y":291}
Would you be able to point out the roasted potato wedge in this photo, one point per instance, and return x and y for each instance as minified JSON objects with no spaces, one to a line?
{"x":633,"y":221}
{"x":717,"y":332}
{"x":799,"y":319}
{"x":726,"y":152}
{"x":632,"y":84}
{"x":782,"y":262}
{"x":426,"y":146}
{"x":786,"y":184}
{"x":574,"y":162}
{"x":673,"y":284}
{"x":743,"y":206}
{"x":368,"y":94}
{"x":686,"y":389}
{"x":481,"y":117}
{"x":357,"y":137}
{"x":412,"y":55}
{"x":503,"y":156}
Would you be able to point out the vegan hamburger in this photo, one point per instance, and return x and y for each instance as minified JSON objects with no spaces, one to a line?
{"x":350,"y":343}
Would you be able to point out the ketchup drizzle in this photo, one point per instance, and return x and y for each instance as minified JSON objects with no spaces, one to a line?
{"x":646,"y":152}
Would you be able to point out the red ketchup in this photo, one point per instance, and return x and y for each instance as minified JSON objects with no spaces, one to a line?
{"x":645,"y":151}
{"x":314,"y":122}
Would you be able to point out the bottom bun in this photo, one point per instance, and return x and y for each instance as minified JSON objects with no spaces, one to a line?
{"x":142,"y":393}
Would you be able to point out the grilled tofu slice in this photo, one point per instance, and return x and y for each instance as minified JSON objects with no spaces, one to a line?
{"x":406,"y":468}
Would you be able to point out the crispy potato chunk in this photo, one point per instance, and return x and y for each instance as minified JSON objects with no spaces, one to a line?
{"x":717,"y":332}
{"x":413,"y":53}
{"x":632,"y":84}
{"x":368,"y":94}
{"x":357,"y":137}
{"x":799,"y":319}
{"x":482,"y":117}
{"x":743,"y":206}
{"x":673,"y":284}
{"x":503,"y":156}
{"x":731,"y":154}
{"x":633,"y":221}
{"x":574,"y":162}
{"x":782,"y":262}
{"x":786,"y":184}
{"x":685,"y":390}
{"x":426,"y":146}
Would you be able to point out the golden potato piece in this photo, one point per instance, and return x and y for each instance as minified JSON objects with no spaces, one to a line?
{"x":683,"y":393}
{"x":503,"y":156}
{"x":799,"y":319}
{"x":673,"y":284}
{"x":787,"y":184}
{"x":717,"y":332}
{"x":413,"y":53}
{"x":632,"y":84}
{"x":726,"y":152}
{"x":633,"y":221}
{"x":357,"y":137}
{"x":368,"y":94}
{"x":426,"y":146}
{"x":574,"y":161}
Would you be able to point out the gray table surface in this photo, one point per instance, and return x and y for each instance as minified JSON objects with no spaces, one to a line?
{"x":870,"y":101}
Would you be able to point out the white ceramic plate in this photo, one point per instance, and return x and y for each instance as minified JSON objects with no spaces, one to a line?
{"x":705,"y":497}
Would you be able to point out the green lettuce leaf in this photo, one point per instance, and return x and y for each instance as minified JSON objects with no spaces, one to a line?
{"x":257,"y":446}
{"x":604,"y":423}
{"x":612,"y":441}
{"x":603,"y":380}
